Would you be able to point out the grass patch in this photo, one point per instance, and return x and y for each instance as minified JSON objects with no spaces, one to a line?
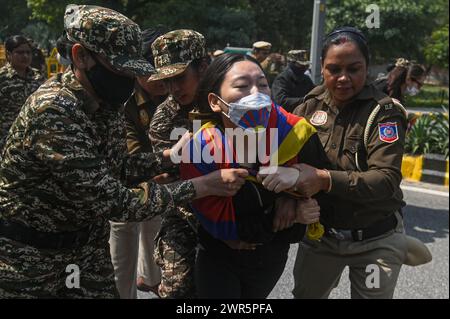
{"x":429,"y":96}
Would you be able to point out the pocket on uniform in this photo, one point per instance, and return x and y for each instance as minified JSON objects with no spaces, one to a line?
{"x":352,"y":152}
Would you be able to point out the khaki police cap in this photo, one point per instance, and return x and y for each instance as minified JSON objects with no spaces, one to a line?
{"x":218,"y":52}
{"x":108,"y":33}
{"x":262,"y":45}
{"x":175,"y":50}
{"x":298,"y":56}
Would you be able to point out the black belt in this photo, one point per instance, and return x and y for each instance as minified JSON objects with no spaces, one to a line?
{"x":377,"y":229}
{"x":43,"y":240}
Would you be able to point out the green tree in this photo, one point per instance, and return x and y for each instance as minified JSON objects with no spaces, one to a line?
{"x":14,"y":16}
{"x":436,"y":51}
{"x":284,"y":23}
{"x":404,"y":24}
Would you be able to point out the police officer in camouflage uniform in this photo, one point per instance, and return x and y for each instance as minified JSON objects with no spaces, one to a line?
{"x":17,"y":81}
{"x":65,"y":165}
{"x":180,"y":60}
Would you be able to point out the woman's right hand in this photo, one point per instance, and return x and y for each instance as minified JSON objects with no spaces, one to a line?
{"x":224,"y":182}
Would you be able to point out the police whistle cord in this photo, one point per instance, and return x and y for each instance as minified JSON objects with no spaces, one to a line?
{"x":315,"y":230}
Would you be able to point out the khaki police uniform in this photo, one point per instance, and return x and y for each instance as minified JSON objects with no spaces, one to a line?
{"x":132,"y":244}
{"x":361,"y":212}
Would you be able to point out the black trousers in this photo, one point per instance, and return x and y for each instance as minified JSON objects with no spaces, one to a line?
{"x":225,"y":273}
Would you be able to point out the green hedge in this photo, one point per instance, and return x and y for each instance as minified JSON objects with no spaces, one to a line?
{"x":430,"y":96}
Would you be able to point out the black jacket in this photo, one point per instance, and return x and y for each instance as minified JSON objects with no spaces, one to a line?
{"x":289,"y":88}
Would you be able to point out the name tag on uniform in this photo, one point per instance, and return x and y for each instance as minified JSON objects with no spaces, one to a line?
{"x":388,"y":132}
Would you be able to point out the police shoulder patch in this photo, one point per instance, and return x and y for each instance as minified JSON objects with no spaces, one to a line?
{"x":388,"y":132}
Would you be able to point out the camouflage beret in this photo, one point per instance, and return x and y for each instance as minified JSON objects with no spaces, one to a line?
{"x":262,"y":45}
{"x":175,"y":50}
{"x":108,"y":33}
{"x":298,"y":56}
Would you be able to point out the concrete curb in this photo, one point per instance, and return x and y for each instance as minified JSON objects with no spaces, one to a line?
{"x":429,"y":168}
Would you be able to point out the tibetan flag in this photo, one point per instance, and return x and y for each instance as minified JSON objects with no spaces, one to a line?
{"x":211,"y":149}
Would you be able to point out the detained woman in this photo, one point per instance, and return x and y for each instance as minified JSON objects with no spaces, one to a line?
{"x":244,"y":239}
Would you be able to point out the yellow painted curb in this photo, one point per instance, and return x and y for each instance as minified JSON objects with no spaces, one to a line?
{"x":412,"y":167}
{"x":446,"y":176}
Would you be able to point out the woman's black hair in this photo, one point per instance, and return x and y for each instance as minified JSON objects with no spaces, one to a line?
{"x":343,"y":34}
{"x":397,"y":77}
{"x":16,"y":41}
{"x":416,"y":71}
{"x":213,"y":78}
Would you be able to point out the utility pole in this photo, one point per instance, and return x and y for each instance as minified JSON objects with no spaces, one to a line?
{"x":318,"y":29}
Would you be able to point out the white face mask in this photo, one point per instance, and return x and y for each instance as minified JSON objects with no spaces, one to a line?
{"x":412,"y":90}
{"x":250,"y":112}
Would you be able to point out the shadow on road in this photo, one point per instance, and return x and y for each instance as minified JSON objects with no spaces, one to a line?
{"x":426,"y":224}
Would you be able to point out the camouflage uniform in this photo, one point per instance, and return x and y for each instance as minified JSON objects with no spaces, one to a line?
{"x":175,"y":248}
{"x":14,"y":90}
{"x":64,"y":168}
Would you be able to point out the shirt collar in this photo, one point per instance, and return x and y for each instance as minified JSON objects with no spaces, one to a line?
{"x":141,"y":97}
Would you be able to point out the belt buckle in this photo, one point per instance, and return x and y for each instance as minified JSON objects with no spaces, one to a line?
{"x":336,"y":234}
{"x":359,"y":234}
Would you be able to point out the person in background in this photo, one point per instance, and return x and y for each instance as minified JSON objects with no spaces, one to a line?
{"x":181,"y":59}
{"x":38,"y":58}
{"x":290,"y":86}
{"x":405,"y":78}
{"x":132,"y":243}
{"x":17,"y":81}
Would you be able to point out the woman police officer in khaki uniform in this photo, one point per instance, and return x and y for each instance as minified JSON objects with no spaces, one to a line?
{"x":362,"y":131}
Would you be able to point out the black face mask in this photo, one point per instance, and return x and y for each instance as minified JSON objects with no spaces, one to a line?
{"x":112,"y":88}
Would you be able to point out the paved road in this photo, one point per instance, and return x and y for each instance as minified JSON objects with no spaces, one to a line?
{"x":426,"y":218}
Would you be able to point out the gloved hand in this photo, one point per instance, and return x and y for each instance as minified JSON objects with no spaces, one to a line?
{"x":279,"y":178}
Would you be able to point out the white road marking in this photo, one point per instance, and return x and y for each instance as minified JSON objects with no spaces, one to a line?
{"x":424,"y":191}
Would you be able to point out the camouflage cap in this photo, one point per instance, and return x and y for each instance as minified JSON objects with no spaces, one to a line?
{"x":108,"y":33}
{"x":175,"y":50}
{"x":298,"y":56}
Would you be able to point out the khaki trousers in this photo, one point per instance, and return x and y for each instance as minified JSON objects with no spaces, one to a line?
{"x":132,"y":246}
{"x":374,"y":265}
